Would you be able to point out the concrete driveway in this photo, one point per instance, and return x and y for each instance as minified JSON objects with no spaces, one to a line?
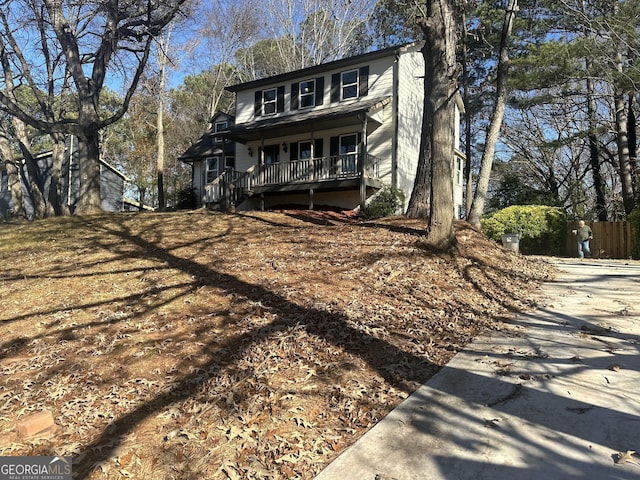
{"x":555,"y":396}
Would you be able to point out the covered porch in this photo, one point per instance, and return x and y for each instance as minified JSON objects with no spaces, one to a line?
{"x":291,"y":155}
{"x":308,"y":176}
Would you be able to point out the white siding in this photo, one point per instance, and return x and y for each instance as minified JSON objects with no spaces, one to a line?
{"x":409,"y":113}
{"x":410,"y":109}
{"x":380,"y":84}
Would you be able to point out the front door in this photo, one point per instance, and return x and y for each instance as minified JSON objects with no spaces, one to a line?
{"x":271,"y":154}
{"x":305,"y":151}
{"x":349,"y":153}
{"x":212,"y":167}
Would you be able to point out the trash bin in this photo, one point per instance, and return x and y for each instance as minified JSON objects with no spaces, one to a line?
{"x":511,"y":241}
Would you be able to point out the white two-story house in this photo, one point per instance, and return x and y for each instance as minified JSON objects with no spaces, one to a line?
{"x":328,"y":135}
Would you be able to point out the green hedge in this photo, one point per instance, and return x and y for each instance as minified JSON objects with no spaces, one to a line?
{"x":542,"y":229}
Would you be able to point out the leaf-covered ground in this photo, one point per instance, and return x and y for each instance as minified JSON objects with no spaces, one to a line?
{"x":257,"y":345}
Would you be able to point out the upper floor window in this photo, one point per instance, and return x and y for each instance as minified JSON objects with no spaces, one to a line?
{"x":269,"y":101}
{"x":307,"y":94}
{"x":350,"y":84}
{"x":218,"y":127}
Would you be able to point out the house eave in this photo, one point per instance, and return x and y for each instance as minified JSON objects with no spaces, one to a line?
{"x":334,"y":117}
{"x":323,"y":67}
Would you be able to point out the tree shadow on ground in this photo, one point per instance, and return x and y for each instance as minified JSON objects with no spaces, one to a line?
{"x":331,"y":326}
{"x":286,"y":314}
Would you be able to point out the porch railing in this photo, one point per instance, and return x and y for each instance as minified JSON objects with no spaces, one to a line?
{"x":231,"y":184}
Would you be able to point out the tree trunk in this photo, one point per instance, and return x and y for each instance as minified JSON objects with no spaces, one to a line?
{"x":420,"y":201}
{"x":633,"y":149}
{"x":480,"y":197}
{"x":435,"y":65}
{"x":89,"y":201}
{"x":160,"y":163}
{"x":468,"y":174}
{"x":57,"y":198}
{"x":160,"y":144}
{"x":437,"y":148}
{"x":33,"y":177}
{"x":441,"y":105}
{"x":594,"y":150}
{"x":13,"y":178}
{"x":624,"y":159}
{"x":141,"y":192}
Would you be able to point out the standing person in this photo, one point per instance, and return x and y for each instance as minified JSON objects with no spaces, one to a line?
{"x":583,"y":234}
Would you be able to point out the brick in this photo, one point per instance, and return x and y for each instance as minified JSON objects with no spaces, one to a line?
{"x":35,"y":423}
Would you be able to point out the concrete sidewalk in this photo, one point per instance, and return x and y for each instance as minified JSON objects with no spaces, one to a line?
{"x":556,"y":396}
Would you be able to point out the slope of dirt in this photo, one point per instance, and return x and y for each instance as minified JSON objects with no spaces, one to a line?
{"x":258,"y":345}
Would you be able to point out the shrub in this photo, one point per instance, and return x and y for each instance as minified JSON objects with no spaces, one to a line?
{"x":542,"y":229}
{"x":634,"y":220}
{"x":388,"y":201}
{"x":187,"y":198}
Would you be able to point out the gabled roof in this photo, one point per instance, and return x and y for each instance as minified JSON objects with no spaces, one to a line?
{"x":206,"y":146}
{"x":323,"y":67}
{"x":340,"y":115}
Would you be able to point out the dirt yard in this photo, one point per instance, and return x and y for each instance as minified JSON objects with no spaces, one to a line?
{"x":257,"y":345}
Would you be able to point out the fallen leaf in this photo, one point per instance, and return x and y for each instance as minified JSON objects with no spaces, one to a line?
{"x":626,"y":457}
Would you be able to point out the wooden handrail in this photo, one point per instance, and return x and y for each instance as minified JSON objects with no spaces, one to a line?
{"x":234,"y":184}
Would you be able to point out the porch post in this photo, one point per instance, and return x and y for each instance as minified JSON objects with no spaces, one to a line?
{"x":361,"y":168}
{"x":311,"y":199}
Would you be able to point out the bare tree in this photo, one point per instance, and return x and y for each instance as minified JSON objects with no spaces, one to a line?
{"x":96,"y":43}
{"x":310,"y":32}
{"x":480,"y":195}
{"x":227,"y":27}
{"x":163,"y":61}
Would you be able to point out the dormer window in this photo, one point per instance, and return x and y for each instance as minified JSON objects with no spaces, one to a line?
{"x":218,"y":127}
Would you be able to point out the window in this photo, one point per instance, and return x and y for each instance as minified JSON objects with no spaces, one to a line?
{"x":307,"y":94}
{"x":269,"y":101}
{"x":458,"y":171}
{"x":212,"y":168}
{"x":348,"y":153}
{"x":304,"y":150}
{"x":271,"y":154}
{"x":218,"y":127}
{"x":349,"y":82}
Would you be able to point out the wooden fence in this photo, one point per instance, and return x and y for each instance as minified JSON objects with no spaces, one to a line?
{"x":610,"y":240}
